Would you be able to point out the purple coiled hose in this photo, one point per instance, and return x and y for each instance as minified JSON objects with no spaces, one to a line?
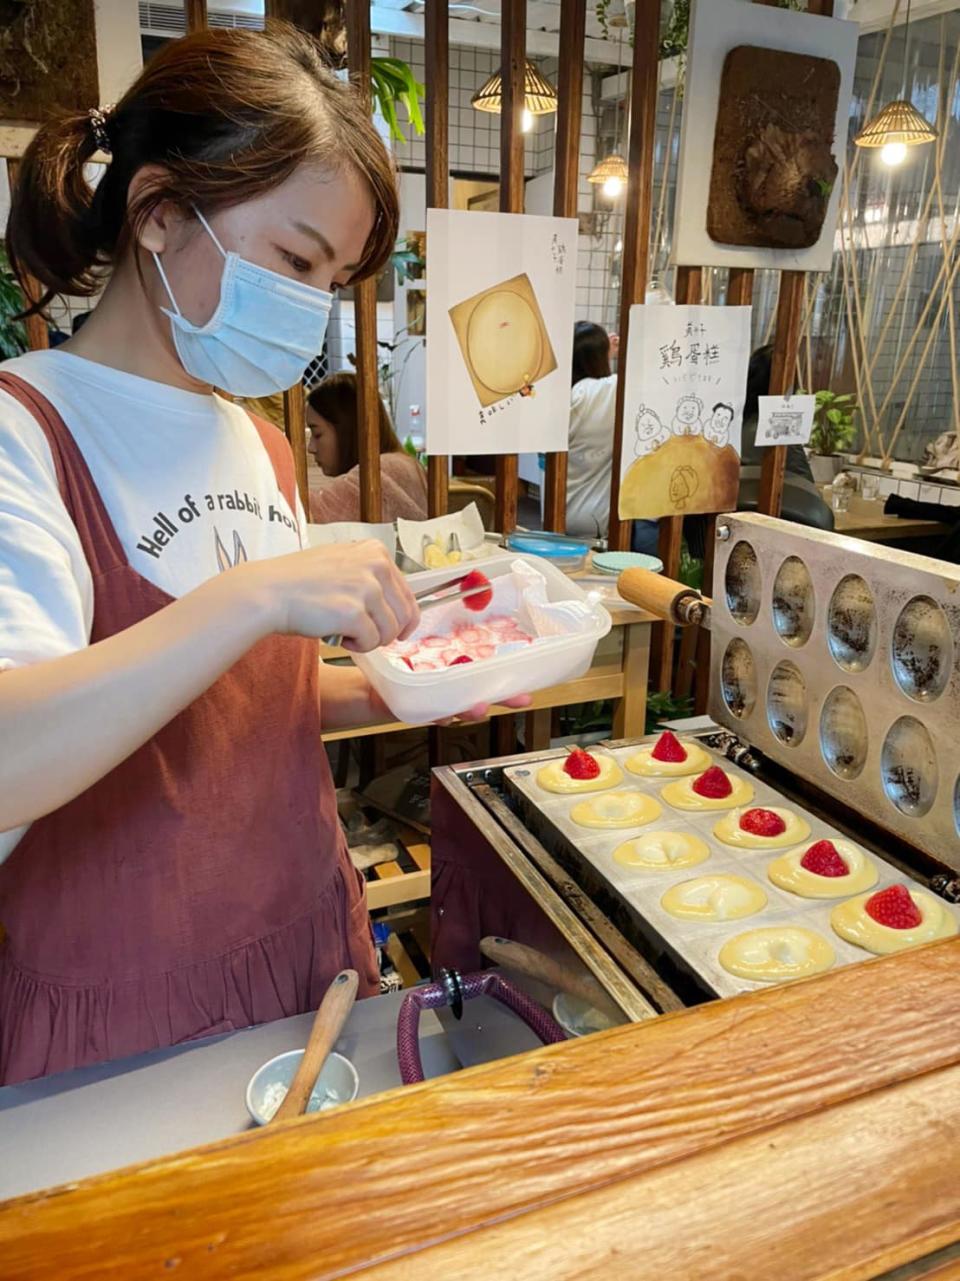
{"x":434,"y":995}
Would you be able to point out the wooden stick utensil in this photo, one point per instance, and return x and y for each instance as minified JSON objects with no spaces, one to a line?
{"x":333,"y":1013}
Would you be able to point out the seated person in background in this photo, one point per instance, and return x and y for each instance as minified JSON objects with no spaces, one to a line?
{"x":335,"y":481}
{"x":592,"y":406}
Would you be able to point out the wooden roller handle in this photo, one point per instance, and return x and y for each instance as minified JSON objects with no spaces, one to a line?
{"x":333,"y":1013}
{"x":658,"y":595}
{"x":537,"y":965}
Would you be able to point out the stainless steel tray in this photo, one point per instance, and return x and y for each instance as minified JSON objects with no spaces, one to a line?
{"x":838,"y":659}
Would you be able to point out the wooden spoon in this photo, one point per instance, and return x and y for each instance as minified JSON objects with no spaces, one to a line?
{"x":333,"y":1013}
{"x":554,"y":973}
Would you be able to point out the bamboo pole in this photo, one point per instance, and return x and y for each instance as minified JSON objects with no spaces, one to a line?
{"x":945,"y":297}
{"x":365,"y":300}
{"x":637,"y":220}
{"x":437,"y":18}
{"x":938,"y":180}
{"x":665,"y":179}
{"x":513,"y":48}
{"x":573,"y":30}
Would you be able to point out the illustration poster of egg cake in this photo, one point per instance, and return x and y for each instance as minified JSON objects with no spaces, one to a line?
{"x":686,"y":376}
{"x":500,"y":313}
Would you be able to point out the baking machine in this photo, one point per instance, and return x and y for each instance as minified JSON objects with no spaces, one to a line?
{"x":835,"y":696}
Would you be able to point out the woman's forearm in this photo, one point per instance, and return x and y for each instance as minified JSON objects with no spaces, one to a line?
{"x":67,"y":722}
{"x":347,"y":699}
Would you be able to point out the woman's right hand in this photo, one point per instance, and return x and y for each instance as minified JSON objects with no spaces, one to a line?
{"x":354,"y":591}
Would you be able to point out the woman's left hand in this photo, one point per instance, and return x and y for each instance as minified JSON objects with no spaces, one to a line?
{"x":480,"y":710}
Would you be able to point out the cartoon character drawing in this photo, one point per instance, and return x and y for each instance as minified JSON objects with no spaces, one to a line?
{"x":717,"y":428}
{"x":223,"y":556}
{"x":649,"y":431}
{"x":687,"y":420}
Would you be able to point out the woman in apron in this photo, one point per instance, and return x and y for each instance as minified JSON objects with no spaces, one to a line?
{"x":171,"y":864}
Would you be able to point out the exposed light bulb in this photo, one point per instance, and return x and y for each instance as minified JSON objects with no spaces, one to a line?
{"x":894,"y":153}
{"x":527,"y":121}
{"x":612,"y":188}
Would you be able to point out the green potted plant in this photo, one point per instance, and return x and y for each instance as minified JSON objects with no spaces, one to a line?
{"x":833,"y":432}
{"x":409,"y":256}
{"x":13,"y":335}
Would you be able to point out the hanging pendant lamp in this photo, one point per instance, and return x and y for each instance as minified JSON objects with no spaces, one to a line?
{"x":899,"y":124}
{"x":611,"y":173}
{"x":539,"y":95}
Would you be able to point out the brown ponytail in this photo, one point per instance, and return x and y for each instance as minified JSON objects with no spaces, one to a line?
{"x":227,"y":115}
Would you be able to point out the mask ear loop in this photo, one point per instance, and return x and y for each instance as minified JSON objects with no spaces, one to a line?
{"x":163,"y":275}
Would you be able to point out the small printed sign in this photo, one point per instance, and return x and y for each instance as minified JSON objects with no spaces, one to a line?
{"x":785,"y":420}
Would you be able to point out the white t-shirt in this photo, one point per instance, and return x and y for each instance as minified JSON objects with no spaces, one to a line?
{"x":592,"y":410}
{"x":184,"y":477}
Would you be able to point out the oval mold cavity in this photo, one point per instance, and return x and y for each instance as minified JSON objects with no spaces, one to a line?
{"x":787,"y":703}
{"x":844,"y":737}
{"x":908,"y":766}
{"x":742,"y":581}
{"x":922,"y":650}
{"x":738,"y":679}
{"x":852,"y":624}
{"x":794,"y":603}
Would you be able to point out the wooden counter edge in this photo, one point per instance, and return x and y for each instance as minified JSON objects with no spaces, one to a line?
{"x":397,"y":1174}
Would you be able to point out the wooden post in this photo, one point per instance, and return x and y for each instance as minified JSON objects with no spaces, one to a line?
{"x":573,"y":23}
{"x":513,"y":49}
{"x":438,"y":138}
{"x":365,"y":299}
{"x":786,"y":347}
{"x":38,"y":337}
{"x":739,"y":294}
{"x":636,"y":231}
{"x":689,"y":290}
{"x":294,"y":409}
{"x":196,"y":11}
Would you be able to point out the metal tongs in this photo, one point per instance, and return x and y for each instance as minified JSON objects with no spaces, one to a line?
{"x":431,"y":596}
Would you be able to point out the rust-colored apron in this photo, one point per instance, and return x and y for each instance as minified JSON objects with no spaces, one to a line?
{"x":202,"y":885}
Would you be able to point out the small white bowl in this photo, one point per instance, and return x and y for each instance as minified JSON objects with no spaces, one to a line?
{"x":339,"y":1077}
{"x":577,"y":1017}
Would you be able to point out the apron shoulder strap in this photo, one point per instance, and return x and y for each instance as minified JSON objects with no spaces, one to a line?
{"x":98,"y":538}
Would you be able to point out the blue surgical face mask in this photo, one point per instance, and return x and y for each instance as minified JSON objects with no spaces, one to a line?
{"x":265,"y":331}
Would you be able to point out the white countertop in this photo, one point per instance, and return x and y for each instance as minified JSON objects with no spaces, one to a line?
{"x":63,"y":1128}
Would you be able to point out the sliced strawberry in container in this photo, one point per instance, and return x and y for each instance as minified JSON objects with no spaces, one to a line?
{"x":460,"y":659}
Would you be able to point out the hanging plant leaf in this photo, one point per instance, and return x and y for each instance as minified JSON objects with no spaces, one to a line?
{"x":393,"y":81}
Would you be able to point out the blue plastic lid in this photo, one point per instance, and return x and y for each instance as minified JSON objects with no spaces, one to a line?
{"x":617,"y":562}
{"x":553,"y":546}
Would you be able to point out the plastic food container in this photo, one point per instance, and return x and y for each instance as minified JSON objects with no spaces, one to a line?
{"x":420,"y":697}
{"x":568,"y":554}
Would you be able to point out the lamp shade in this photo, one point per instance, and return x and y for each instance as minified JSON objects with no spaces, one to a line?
{"x":609,"y":167}
{"x":539,"y":95}
{"x":899,"y":121}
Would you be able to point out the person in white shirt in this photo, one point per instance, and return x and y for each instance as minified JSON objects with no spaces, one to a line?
{"x":171,"y":863}
{"x":592,"y":407}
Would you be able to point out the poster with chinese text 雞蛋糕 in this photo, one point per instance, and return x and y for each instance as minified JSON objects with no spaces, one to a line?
{"x":500,"y":312}
{"x":686,"y":376}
